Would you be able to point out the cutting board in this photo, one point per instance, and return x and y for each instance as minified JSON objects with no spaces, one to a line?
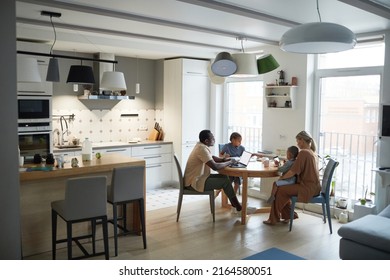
{"x":154,"y":134}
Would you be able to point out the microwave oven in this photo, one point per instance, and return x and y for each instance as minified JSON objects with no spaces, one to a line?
{"x":34,"y":108}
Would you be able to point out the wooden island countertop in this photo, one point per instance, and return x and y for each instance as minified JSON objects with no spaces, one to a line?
{"x":39,"y":188}
{"x":106,"y":163}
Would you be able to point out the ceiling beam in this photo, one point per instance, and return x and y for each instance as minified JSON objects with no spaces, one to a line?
{"x":370,"y":6}
{"x":237,"y":10}
{"x":144,"y":19}
{"x":118,"y":33}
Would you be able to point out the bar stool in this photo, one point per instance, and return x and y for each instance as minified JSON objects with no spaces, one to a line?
{"x":127,"y":186}
{"x":85,"y":200}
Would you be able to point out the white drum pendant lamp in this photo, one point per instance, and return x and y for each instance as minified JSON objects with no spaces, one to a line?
{"x":224,"y":65}
{"x":246,"y":65}
{"x":114,"y":81}
{"x":318,"y":37}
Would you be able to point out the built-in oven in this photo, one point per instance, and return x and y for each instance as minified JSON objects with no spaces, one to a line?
{"x":34,"y":125}
{"x":33,"y":142}
{"x":34,"y":108}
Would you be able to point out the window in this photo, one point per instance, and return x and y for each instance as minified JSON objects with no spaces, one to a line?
{"x":349,"y":86}
{"x":245,"y":112}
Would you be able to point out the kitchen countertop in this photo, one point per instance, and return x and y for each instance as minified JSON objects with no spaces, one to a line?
{"x":113,"y":144}
{"x":105,"y":164}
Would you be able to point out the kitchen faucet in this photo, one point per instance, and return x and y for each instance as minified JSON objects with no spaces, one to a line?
{"x":62,"y":118}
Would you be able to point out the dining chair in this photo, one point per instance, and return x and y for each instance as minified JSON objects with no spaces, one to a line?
{"x":185,"y":191}
{"x":85,"y":200}
{"x":324,"y":195}
{"x":127,"y":186}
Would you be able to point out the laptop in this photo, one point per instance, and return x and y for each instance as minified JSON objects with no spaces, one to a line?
{"x":244,"y":160}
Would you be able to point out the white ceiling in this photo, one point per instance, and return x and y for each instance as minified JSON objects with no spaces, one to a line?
{"x":158,"y":29}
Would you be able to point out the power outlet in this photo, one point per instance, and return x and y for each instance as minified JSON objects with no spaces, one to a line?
{"x":143,"y":128}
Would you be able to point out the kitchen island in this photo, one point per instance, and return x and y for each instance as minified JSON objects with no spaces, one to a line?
{"x":38,"y":188}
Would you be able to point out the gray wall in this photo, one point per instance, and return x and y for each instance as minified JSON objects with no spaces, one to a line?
{"x":146,"y":99}
{"x":10,"y":235}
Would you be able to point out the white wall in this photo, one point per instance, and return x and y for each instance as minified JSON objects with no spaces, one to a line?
{"x":280,"y":126}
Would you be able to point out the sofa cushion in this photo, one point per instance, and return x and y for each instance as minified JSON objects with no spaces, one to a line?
{"x":385,"y":212}
{"x":370,"y":230}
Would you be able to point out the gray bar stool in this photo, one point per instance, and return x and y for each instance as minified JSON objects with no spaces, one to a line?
{"x":127,"y":186}
{"x":85,"y":200}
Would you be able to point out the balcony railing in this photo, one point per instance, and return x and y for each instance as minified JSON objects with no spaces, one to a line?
{"x":357,"y":155}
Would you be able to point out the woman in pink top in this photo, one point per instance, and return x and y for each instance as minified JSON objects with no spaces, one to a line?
{"x":308,"y":185}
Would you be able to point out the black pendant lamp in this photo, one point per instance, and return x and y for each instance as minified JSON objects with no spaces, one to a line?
{"x":53,"y":73}
{"x":81,"y":74}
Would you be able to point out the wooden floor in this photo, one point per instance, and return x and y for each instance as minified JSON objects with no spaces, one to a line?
{"x":195,"y":236}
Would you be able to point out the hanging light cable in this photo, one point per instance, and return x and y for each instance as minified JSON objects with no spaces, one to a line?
{"x":53,"y":73}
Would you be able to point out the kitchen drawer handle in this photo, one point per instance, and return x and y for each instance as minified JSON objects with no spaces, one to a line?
{"x":196,"y":73}
{"x":152,"y":147}
{"x":152,"y":157}
{"x":117,"y":150}
{"x":154,"y":166}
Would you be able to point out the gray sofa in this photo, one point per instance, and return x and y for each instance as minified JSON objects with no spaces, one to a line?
{"x":367,"y":238}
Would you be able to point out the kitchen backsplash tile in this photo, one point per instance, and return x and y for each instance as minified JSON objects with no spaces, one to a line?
{"x":108,"y":125}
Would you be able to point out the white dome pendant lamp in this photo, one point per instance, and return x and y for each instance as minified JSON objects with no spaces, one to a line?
{"x":318,"y":37}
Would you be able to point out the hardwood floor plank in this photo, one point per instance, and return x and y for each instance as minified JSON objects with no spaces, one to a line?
{"x":196,"y":237}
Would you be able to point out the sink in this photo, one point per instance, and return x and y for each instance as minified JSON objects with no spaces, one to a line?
{"x":67,"y":146}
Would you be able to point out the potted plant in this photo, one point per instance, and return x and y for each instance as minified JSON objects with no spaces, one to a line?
{"x":364,"y":200}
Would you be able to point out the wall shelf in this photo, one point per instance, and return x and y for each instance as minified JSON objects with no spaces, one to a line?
{"x":105,"y":97}
{"x":278,"y":97}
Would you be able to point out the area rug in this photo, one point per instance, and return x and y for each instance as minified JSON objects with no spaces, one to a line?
{"x":273,"y":254}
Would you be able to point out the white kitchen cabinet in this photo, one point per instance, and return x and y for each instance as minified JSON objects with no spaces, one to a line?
{"x":158,"y":160}
{"x":280,"y":97}
{"x":120,"y":150}
{"x":186,"y":104}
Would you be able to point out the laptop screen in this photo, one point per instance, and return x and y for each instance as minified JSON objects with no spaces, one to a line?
{"x":245,"y":157}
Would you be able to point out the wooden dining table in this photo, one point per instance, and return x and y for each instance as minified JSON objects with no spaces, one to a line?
{"x":255,"y":169}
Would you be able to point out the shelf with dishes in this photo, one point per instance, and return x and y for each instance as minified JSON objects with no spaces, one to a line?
{"x":105,"y":97}
{"x":280,"y":97}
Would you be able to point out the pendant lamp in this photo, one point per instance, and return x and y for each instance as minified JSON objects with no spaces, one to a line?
{"x":223,"y":65}
{"x":81,"y":74}
{"x":266,"y":64}
{"x":246,"y":65}
{"x":27,"y":70}
{"x":53,"y":72}
{"x":114,"y":81}
{"x":318,"y":37}
{"x":215,"y":79}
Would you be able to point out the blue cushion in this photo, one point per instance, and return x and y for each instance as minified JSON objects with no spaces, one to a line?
{"x":385,"y":212}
